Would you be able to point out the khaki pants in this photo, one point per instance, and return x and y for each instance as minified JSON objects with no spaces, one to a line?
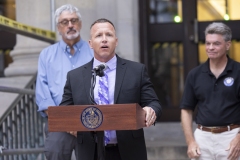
{"x":213,"y":145}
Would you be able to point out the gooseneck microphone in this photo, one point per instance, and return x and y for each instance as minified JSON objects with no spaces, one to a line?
{"x":99,"y":70}
{"x":100,"y":67}
{"x":96,"y":71}
{"x":98,"y":136}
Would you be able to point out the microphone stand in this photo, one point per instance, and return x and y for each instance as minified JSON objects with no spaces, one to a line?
{"x":97,"y":135}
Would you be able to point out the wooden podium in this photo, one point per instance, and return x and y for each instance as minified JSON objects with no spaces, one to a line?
{"x":114,"y":117}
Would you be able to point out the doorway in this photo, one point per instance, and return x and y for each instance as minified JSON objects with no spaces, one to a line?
{"x":172,"y":42}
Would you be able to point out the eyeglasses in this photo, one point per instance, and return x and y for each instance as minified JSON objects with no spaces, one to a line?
{"x":66,"y":22}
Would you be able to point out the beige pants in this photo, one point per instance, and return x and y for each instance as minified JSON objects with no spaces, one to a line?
{"x":213,"y":146}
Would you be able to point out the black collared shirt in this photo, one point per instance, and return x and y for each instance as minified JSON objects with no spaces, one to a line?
{"x":217,"y":99}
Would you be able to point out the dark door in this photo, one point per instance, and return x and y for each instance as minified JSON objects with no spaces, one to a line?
{"x":171,"y":49}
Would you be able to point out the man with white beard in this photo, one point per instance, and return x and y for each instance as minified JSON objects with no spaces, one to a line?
{"x":54,"y":63}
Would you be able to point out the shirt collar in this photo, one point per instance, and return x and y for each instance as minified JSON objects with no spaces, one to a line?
{"x":228,"y":67}
{"x":111,"y":63}
{"x":76,"y":46}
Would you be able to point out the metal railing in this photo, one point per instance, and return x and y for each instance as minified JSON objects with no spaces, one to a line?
{"x":21,"y":127}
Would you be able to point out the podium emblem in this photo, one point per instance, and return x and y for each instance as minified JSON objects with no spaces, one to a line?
{"x":91,"y":117}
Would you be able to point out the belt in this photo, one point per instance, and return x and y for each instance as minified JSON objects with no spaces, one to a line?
{"x":219,"y":129}
{"x":111,"y":145}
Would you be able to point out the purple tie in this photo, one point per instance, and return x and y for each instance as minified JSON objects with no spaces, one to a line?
{"x":104,"y":99}
{"x":103,"y":90}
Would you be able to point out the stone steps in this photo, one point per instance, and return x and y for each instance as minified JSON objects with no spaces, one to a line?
{"x":167,"y":153}
{"x":166,"y":141}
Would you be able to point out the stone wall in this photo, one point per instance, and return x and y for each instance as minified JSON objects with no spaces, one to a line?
{"x":123,"y":13}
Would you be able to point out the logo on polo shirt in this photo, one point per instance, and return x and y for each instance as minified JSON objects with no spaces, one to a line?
{"x":228,"y":81}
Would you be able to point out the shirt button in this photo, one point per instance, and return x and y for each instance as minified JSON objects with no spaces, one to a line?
{"x":73,"y":66}
{"x":70,"y":56}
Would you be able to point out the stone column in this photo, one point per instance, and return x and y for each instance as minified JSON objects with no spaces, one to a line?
{"x":128,"y":29}
{"x":124,"y":15}
{"x":26,"y":52}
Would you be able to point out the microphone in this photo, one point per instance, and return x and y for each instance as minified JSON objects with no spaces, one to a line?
{"x":100,"y":67}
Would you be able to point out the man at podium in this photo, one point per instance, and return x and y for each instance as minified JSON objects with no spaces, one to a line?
{"x":122,"y":82}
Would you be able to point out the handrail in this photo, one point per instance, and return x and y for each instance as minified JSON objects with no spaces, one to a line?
{"x":5,"y":151}
{"x":16,"y":90}
{"x":21,"y":127}
{"x":16,"y":101}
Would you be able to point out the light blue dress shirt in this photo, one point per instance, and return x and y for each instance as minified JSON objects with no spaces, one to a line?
{"x":53,"y":64}
{"x":112,"y":63}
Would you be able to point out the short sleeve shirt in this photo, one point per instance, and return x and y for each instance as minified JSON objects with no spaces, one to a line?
{"x":217,"y":99}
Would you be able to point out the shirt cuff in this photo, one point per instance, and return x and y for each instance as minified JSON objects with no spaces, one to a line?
{"x":43,"y":105}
